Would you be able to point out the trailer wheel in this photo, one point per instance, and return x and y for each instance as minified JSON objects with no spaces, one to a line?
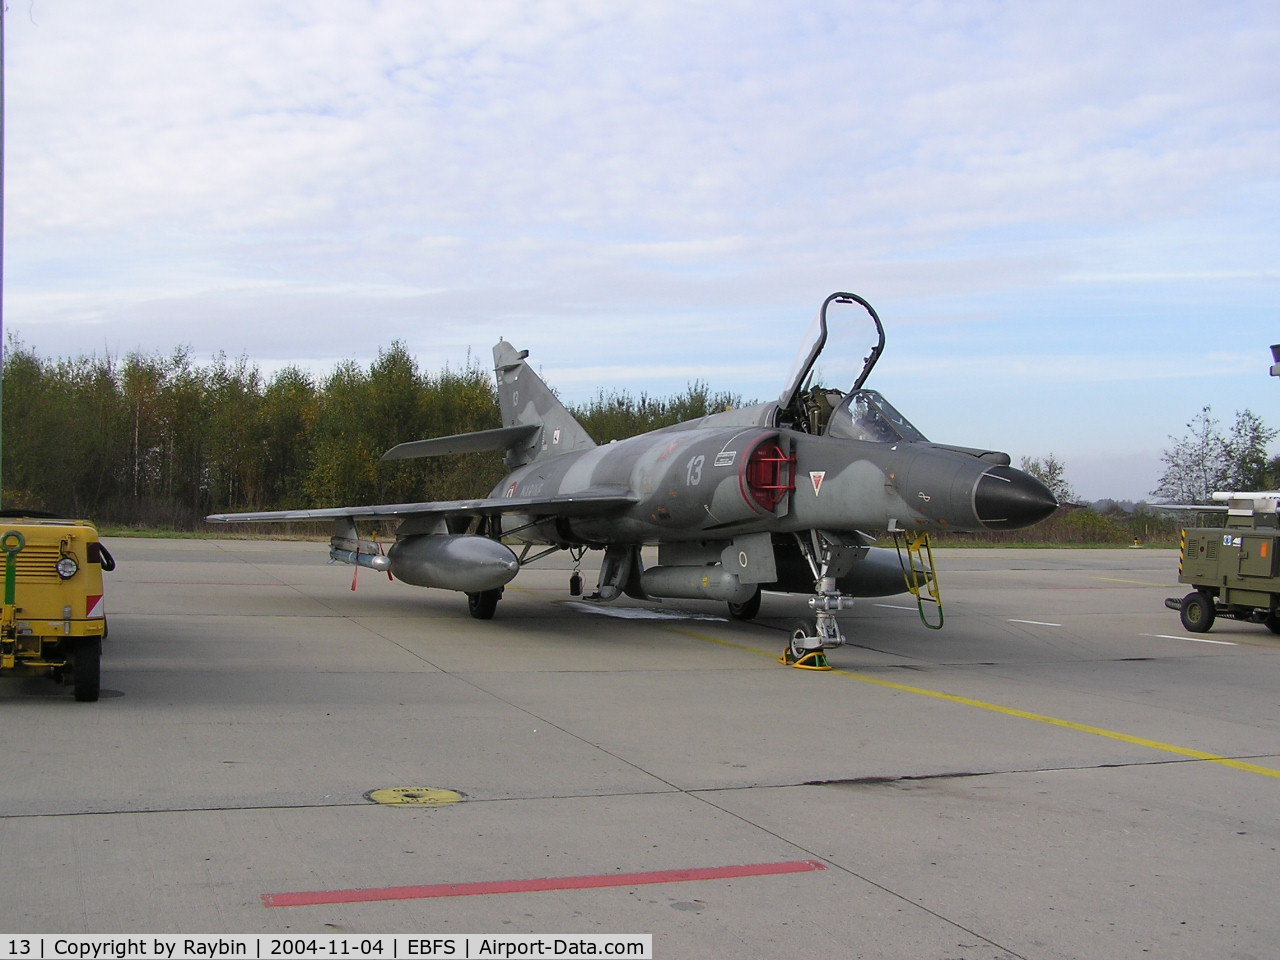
{"x":86,"y":669}
{"x":1197,"y":612}
{"x":484,"y":605}
{"x":1273,"y":621}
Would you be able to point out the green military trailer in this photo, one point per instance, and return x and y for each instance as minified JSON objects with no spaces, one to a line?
{"x":1233,"y":564}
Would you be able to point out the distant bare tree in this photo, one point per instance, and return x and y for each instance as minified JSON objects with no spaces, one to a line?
{"x":1051,"y":471}
{"x":1205,"y":459}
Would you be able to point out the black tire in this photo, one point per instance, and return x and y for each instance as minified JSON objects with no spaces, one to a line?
{"x":484,"y":605}
{"x":748,"y":609}
{"x":86,"y":669}
{"x":800,"y":630}
{"x":1273,"y":621}
{"x":1197,"y":612}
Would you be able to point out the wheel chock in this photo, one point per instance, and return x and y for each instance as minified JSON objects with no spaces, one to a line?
{"x":813,"y":660}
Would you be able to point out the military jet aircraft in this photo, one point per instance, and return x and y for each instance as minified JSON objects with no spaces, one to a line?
{"x":782,"y":496}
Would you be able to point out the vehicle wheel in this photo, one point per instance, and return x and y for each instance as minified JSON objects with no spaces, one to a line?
{"x":801,"y":632}
{"x":1197,"y":612}
{"x":748,"y":609}
{"x":484,"y":604}
{"x":1273,"y":621}
{"x":86,"y":669}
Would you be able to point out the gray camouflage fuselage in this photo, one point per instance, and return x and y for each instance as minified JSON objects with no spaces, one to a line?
{"x":690,"y":483}
{"x":783,"y":496}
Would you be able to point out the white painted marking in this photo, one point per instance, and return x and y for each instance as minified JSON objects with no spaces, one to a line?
{"x":636,"y":613}
{"x":893,"y":606}
{"x":1165,"y":636}
{"x":1037,"y":623}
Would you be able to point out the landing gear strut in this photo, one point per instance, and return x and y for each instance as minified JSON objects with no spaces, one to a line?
{"x":619,"y":573}
{"x":830,"y":556}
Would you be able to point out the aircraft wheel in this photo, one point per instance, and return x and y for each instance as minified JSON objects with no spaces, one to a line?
{"x":86,"y":669}
{"x":484,"y":604}
{"x":1197,"y":612}
{"x":801,"y":632}
{"x":748,"y":609}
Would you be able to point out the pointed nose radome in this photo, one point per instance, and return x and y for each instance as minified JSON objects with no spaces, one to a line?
{"x":1008,"y":499}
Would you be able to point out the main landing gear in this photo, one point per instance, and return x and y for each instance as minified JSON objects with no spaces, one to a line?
{"x":748,"y":609}
{"x":484,"y":605}
{"x":830,"y":556}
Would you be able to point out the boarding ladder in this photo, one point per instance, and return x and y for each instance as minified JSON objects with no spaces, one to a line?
{"x":918,"y":571}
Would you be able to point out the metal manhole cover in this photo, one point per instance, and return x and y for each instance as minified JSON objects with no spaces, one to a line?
{"x":415,"y":796}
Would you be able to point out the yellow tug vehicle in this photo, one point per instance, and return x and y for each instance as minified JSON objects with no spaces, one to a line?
{"x":53,"y":620}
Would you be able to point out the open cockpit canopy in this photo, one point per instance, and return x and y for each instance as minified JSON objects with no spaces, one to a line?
{"x":824,"y":392}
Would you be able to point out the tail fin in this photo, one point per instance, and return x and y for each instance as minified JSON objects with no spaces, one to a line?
{"x":525,"y":400}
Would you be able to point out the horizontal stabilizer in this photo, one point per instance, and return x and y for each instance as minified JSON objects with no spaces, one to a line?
{"x":503,"y":438}
{"x":586,"y":504}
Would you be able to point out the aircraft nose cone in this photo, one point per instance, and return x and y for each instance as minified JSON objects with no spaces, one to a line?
{"x":1008,"y":499}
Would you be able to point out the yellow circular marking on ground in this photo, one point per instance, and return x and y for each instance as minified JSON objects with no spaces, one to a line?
{"x":415,"y":796}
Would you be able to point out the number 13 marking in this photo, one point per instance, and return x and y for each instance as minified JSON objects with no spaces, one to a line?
{"x":694,"y":475}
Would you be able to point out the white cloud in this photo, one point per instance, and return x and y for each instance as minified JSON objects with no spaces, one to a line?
{"x":601,"y":181}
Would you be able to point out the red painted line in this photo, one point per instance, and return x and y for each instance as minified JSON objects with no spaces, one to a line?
{"x":487,"y":887}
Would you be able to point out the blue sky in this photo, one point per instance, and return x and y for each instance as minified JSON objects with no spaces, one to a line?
{"x":1067,"y":213}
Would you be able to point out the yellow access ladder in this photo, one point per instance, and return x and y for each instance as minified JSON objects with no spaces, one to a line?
{"x":918,"y":571}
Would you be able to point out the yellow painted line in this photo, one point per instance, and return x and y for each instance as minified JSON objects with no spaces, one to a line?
{"x":1010,"y":711}
{"x":1067,"y":724}
{"x":716,"y":640}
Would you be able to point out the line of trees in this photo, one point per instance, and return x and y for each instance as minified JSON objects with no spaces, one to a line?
{"x":160,"y":440}
{"x":156,"y":440}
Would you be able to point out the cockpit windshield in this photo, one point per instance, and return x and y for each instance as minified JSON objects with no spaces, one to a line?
{"x":866,"y":415}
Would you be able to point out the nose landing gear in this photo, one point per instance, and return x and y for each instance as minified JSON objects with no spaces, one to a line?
{"x":800,"y":653}
{"x":830,"y":556}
